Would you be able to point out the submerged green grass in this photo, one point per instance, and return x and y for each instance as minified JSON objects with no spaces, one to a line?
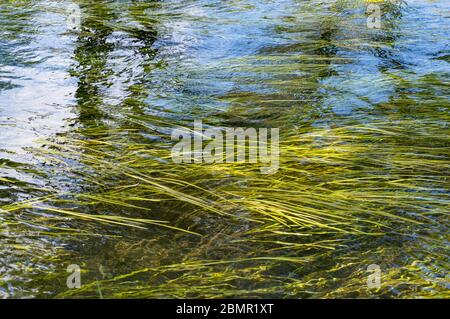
{"x":363,"y":179}
{"x":294,"y":234}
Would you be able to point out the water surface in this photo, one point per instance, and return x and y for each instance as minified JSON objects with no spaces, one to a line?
{"x":85,"y":123}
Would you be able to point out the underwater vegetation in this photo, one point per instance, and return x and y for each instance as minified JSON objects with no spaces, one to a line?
{"x":87,"y":176}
